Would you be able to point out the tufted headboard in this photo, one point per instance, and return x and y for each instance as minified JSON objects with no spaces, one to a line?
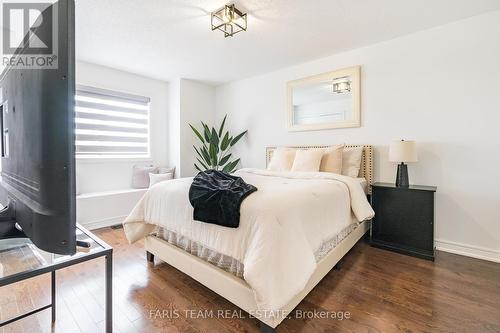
{"x":365,"y":171}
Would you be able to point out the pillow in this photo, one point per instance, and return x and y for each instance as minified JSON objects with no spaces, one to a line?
{"x":282,"y":159}
{"x":332,"y":159}
{"x":167,"y":170}
{"x":140,"y":175}
{"x":351,"y":161}
{"x":307,"y":160}
{"x":156,"y":178}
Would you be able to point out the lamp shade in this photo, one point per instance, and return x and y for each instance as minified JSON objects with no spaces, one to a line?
{"x":403,"y":151}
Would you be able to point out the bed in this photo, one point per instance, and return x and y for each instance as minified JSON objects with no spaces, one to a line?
{"x":292,"y":232}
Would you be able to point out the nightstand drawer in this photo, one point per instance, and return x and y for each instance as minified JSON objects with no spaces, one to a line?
{"x":404,"y":220}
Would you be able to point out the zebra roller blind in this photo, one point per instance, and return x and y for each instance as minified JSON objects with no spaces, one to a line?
{"x":110,"y":124}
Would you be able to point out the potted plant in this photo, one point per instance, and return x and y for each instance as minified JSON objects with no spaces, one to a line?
{"x":214,"y":152}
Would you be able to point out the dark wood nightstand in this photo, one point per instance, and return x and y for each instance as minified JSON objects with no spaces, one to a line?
{"x":404,"y":219}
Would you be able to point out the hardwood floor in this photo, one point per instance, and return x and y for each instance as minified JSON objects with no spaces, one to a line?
{"x":382,"y":291}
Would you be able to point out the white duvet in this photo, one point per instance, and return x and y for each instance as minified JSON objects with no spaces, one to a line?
{"x":281,"y":225}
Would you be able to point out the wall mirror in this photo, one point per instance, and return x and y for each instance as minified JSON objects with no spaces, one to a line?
{"x":325,"y":101}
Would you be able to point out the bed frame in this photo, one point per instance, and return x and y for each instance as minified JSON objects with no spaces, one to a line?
{"x":235,"y":289}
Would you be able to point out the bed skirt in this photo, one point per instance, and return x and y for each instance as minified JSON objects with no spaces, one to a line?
{"x":230,"y":264}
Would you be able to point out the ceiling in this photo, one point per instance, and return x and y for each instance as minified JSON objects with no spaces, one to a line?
{"x":164,"y":39}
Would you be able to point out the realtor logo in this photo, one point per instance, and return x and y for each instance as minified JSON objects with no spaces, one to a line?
{"x":29,"y":34}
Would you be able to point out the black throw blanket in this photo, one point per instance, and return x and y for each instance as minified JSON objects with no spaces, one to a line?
{"x":216,"y":197}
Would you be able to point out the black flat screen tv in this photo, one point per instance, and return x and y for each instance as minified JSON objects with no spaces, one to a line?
{"x":37,"y":137}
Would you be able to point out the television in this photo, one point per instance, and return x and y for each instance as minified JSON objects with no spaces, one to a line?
{"x":37,"y":134}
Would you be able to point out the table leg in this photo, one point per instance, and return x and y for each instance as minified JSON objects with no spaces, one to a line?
{"x":53,"y":291}
{"x":109,"y":293}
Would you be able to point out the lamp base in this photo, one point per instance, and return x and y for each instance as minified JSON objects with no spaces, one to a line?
{"x":402,"y":176}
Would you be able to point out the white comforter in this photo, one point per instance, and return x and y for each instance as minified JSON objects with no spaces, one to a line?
{"x":281,"y":225}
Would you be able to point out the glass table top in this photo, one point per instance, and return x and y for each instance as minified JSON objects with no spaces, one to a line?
{"x":18,"y":255}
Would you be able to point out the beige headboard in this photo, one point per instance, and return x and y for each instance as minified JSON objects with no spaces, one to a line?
{"x":366,"y":170}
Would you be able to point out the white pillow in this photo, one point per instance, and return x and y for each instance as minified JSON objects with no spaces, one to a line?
{"x":307,"y":160}
{"x":351,"y":161}
{"x":159,"y":177}
{"x":332,"y":159}
{"x":282,"y":159}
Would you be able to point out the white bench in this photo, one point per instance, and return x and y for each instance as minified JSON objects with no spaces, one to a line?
{"x":104,"y":209}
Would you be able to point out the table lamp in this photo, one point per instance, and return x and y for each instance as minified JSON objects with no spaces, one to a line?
{"x":403,"y":152}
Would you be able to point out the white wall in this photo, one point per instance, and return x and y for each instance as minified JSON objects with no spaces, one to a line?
{"x":105,"y":175}
{"x":197,"y":103}
{"x":173,"y":124}
{"x":104,"y":209}
{"x":440,"y":87}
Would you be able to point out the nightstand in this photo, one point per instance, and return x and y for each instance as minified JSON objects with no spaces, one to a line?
{"x":404,"y":219}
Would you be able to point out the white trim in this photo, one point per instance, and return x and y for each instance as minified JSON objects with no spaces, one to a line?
{"x":467,"y":250}
{"x":112,"y":192}
{"x":107,"y":222}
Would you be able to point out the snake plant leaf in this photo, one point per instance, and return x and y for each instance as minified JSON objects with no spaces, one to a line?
{"x":234,"y":164}
{"x":206,"y":155}
{"x":202,"y":164}
{"x":197,"y":151}
{"x":214,"y":137}
{"x":213,"y":154}
{"x":230,"y":166}
{"x":206,"y":132}
{"x":214,"y":140}
{"x":197,"y":134}
{"x":237,"y":138}
{"x":224,"y":160}
{"x":225,"y":141}
{"x":221,"y":128}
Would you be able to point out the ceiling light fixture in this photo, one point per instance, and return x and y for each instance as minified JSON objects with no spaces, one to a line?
{"x":229,"y":20}
{"x":341,"y":85}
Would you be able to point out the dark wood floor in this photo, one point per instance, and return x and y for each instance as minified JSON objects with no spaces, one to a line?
{"x":382,"y":291}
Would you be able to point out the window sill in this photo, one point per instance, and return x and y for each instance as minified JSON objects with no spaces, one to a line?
{"x":113,"y":159}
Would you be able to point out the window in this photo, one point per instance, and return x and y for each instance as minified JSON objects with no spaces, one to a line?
{"x":110,"y":124}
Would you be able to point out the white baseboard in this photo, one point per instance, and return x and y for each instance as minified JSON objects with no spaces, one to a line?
{"x":107,"y":222}
{"x":468,"y":250}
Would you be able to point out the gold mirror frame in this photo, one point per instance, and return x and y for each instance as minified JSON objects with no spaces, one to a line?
{"x":354,"y":73}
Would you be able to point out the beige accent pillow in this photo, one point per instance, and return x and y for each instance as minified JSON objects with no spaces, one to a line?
{"x":282,"y":160}
{"x":351,"y":161}
{"x":332,"y":159}
{"x":167,"y":170}
{"x":140,"y":175}
{"x":307,"y":160}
